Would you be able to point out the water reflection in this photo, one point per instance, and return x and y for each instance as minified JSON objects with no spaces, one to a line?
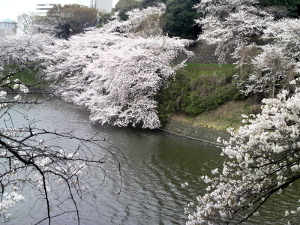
{"x":153,"y":166}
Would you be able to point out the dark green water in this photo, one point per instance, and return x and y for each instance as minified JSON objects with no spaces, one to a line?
{"x":153,"y":165}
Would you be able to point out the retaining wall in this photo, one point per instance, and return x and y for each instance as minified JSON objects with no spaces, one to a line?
{"x":195,"y":132}
{"x":203,"y":53}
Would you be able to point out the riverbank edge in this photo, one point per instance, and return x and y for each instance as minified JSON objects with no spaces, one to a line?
{"x":179,"y":128}
{"x":188,"y":130}
{"x":31,"y":90}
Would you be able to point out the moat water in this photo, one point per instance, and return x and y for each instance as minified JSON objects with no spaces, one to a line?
{"x":154,"y":164}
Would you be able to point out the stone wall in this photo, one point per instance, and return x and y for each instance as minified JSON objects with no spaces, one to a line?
{"x":203,"y":53}
{"x":195,"y":132}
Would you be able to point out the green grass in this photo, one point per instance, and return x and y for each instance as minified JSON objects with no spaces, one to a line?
{"x":225,"y":116}
{"x":27,"y":77}
{"x":198,"y":88}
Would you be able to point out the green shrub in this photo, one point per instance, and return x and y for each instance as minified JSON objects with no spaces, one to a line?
{"x":25,"y":75}
{"x":197,"y":88}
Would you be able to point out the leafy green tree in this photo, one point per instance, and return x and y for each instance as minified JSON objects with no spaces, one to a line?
{"x":147,"y":3}
{"x":105,"y":18}
{"x":70,"y":19}
{"x":290,"y":5}
{"x":123,"y":6}
{"x":180,"y":19}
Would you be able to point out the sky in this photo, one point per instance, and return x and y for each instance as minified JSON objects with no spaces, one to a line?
{"x":12,"y":8}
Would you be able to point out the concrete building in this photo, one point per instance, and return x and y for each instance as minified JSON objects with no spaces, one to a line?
{"x":102,"y":5}
{"x":8,"y":27}
{"x":42,"y":6}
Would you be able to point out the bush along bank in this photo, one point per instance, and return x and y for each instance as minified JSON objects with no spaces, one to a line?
{"x":198,"y":88}
{"x":28,"y":76}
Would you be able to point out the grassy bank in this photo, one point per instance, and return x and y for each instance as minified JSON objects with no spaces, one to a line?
{"x":225,"y":116}
{"x":204,"y":95}
{"x":26,"y":76}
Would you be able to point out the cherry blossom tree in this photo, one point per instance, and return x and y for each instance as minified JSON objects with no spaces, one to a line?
{"x":115,"y":75}
{"x":267,"y":51}
{"x":29,"y":156}
{"x":275,"y":64}
{"x":285,"y":34}
{"x":26,"y":22}
{"x":141,"y":22}
{"x":263,"y":160}
{"x":262,"y":156}
{"x":231,"y":24}
{"x":271,"y":71}
{"x":23,"y":50}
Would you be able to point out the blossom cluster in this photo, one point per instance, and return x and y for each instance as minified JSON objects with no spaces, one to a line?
{"x":141,"y":22}
{"x":230,"y":24}
{"x":276,"y":64}
{"x":115,"y":75}
{"x":263,"y":160}
{"x":22,"y":50}
{"x":262,"y":155}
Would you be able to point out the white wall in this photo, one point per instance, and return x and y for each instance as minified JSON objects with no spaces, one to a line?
{"x":104,"y":5}
{"x":42,"y":10}
{"x":63,"y":2}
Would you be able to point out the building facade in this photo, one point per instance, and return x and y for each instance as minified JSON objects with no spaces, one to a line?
{"x":8,"y":27}
{"x":102,"y":5}
{"x":42,"y":6}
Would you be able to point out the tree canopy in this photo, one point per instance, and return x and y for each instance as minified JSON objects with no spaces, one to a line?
{"x":292,"y":6}
{"x":262,"y":156}
{"x":124,"y":6}
{"x":263,"y":160}
{"x":68,"y":20}
{"x":222,"y":25}
{"x":147,"y":3}
{"x":179,"y":19}
{"x":91,"y":70}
